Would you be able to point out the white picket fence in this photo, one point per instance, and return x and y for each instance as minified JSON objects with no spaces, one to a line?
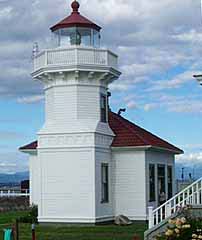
{"x":14,"y":193}
{"x":191,"y":195}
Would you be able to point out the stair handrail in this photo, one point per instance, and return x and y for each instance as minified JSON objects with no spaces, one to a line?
{"x":178,"y":194}
{"x":153,"y":212}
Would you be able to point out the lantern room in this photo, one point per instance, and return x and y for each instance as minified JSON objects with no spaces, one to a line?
{"x":76,"y":30}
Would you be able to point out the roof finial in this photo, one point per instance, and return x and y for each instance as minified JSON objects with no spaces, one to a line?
{"x":75,"y":6}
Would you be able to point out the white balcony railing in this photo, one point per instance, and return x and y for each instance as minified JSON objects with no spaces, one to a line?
{"x":191,"y":195}
{"x":75,"y":56}
{"x":14,"y":193}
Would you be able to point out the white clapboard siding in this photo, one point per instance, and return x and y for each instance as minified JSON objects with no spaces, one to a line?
{"x":129,"y":184}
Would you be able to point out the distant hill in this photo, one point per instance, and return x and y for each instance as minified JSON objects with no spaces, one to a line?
{"x":195,"y":170}
{"x":14,"y":178}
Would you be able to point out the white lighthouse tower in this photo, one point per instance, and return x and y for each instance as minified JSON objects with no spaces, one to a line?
{"x":74,"y":145}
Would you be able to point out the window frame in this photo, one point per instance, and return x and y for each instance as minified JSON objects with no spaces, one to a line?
{"x":104,"y":183}
{"x":161,"y":176}
{"x":170,"y":181}
{"x":152,"y":190}
{"x":103,"y":110}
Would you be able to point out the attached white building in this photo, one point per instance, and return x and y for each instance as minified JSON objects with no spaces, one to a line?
{"x":90,"y":164}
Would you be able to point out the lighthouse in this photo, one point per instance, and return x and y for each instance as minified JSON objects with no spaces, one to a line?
{"x":89,"y":164}
{"x":74,"y":145}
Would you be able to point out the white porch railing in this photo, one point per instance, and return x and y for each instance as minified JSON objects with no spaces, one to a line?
{"x":14,"y":193}
{"x":75,"y":56}
{"x":191,"y":195}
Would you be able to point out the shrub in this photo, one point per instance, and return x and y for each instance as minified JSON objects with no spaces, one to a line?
{"x":182,"y":229}
{"x":31,"y":217}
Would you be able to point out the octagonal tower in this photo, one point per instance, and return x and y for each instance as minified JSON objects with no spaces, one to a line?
{"x":74,"y":145}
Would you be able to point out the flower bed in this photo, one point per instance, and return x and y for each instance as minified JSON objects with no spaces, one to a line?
{"x":14,"y":204}
{"x":183,"y":228}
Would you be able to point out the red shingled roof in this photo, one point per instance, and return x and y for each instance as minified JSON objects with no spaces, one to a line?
{"x":30,"y":146}
{"x":75,"y":20}
{"x":128,"y":134}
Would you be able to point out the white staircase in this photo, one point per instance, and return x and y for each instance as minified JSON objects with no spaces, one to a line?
{"x":191,"y":195}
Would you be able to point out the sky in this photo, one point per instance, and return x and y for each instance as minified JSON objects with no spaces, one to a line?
{"x":159,"y":44}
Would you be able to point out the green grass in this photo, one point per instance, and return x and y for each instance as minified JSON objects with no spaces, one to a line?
{"x":59,"y":232}
{"x":9,"y":217}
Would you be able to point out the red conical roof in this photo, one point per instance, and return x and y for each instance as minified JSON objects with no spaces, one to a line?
{"x":75,"y":20}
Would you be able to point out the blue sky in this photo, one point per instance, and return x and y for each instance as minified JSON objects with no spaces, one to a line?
{"x":159,"y":44}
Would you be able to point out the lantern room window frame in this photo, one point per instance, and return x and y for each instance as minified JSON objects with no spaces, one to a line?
{"x":76,"y":36}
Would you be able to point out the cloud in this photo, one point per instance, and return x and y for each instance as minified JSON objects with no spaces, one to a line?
{"x":13,"y":161}
{"x":193,"y":146}
{"x":7,"y":165}
{"x":6,"y":12}
{"x":190,"y":159}
{"x":30,"y":99}
{"x":113,"y":9}
{"x":118,"y":87}
{"x":192,"y":156}
{"x":191,"y":104}
{"x":186,"y":107}
{"x":150,"y":38}
{"x":150,"y":106}
{"x":176,"y":82}
{"x":190,"y":37}
{"x":179,"y":104}
{"x":131,"y":105}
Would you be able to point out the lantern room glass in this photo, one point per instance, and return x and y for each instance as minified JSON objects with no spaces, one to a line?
{"x":79,"y":36}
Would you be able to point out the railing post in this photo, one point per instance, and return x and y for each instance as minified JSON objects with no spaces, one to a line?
{"x":200,"y":192}
{"x":107,"y":58}
{"x":197,"y":194}
{"x":168,"y":210}
{"x":94,"y":60}
{"x":183,"y":199}
{"x":192,"y":193}
{"x":46,"y":58}
{"x":34,"y":63}
{"x":150,"y":216}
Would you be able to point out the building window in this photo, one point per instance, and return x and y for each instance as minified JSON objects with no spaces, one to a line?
{"x":103,"y":108}
{"x":170,"y":182}
{"x":152,"y":182}
{"x":105,"y":183}
{"x":161,"y":184}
